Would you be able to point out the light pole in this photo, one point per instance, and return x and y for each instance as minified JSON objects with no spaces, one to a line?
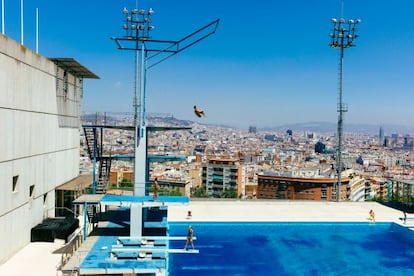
{"x":137,"y":27}
{"x":343,"y":36}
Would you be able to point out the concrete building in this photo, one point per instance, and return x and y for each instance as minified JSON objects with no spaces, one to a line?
{"x":40,"y":103}
{"x":172,"y":187}
{"x":299,"y":188}
{"x":221,"y":174}
{"x":403,"y":193}
{"x":118,"y":176}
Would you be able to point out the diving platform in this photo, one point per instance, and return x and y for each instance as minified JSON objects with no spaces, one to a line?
{"x":152,"y":238}
{"x":153,"y":250}
{"x":148,"y":248}
{"x":127,"y":201}
{"x":132,"y":128}
{"x":151,"y":158}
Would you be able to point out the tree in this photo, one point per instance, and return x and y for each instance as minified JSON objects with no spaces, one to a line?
{"x":125,"y":183}
{"x":175,"y":192}
{"x":200,"y":192}
{"x":229,"y":193}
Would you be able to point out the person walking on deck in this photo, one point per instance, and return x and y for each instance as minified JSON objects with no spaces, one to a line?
{"x":190,"y":236}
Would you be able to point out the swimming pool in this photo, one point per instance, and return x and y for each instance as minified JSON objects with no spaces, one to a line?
{"x":294,"y":248}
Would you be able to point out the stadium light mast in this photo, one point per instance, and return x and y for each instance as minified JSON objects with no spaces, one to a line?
{"x":2,"y":17}
{"x":342,"y":37}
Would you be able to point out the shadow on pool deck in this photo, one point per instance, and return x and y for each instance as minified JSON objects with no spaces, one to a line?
{"x":112,"y":223}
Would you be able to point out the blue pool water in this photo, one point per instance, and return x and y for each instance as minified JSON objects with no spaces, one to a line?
{"x":294,"y":248}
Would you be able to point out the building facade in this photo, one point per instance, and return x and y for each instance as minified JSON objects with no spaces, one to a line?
{"x":402,"y":191}
{"x":40,"y":130}
{"x":222,"y":174}
{"x":299,"y":188}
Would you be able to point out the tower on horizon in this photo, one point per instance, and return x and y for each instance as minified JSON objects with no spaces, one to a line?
{"x":252,"y":129}
{"x":381,"y":136}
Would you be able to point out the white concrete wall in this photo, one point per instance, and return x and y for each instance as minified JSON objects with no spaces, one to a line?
{"x":33,"y":145}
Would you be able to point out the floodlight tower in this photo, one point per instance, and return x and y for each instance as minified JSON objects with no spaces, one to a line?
{"x":343,"y":36}
{"x":137,"y":28}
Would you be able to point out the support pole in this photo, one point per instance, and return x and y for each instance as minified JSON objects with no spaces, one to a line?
{"x":21,"y":23}
{"x":85,"y":214}
{"x":2,"y":17}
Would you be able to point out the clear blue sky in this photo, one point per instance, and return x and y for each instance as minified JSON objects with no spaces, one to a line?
{"x":269,"y":63}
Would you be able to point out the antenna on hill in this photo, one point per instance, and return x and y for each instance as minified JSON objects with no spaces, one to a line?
{"x":21,"y":23}
{"x":2,"y":17}
{"x":37,"y":30}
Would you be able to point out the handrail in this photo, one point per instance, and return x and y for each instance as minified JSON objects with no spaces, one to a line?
{"x":54,"y":208}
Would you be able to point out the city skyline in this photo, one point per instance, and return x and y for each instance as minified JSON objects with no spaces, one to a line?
{"x":268,"y":64}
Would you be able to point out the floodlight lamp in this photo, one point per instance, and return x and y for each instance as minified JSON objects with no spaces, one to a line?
{"x":134,"y":11}
{"x":358,"y":21}
{"x":350,"y":21}
{"x":341,"y":20}
{"x":141,"y":11}
{"x":125,"y":27}
{"x":150,"y":28}
{"x":340,"y":35}
{"x":151,"y":11}
{"x":333,"y":20}
{"x":125,"y":11}
{"x":141,"y":27}
{"x":133,"y":27}
{"x":129,"y":18}
{"x":331,"y":35}
{"x":349,"y":36}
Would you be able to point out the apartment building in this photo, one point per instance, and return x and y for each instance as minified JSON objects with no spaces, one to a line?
{"x":299,"y":188}
{"x":221,"y":174}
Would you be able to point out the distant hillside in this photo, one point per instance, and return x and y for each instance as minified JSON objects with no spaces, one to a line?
{"x":317,"y":127}
{"x":327,"y":127}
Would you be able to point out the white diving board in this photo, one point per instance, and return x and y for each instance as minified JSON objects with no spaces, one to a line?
{"x":152,"y":238}
{"x":151,"y":250}
{"x":176,"y":250}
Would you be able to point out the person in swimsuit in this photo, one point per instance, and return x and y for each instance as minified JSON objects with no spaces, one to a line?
{"x":372,"y":216}
{"x":190,"y":236}
{"x":199,"y":112}
{"x":156,"y":188}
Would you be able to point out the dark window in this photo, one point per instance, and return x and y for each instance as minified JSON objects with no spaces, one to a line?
{"x":15,"y":178}
{"x":31,"y":190}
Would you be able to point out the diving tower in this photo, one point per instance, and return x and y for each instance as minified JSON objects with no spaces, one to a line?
{"x":148,"y":52}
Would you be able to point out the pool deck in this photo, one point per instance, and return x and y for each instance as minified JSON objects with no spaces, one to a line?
{"x":281,"y":211}
{"x":38,"y":258}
